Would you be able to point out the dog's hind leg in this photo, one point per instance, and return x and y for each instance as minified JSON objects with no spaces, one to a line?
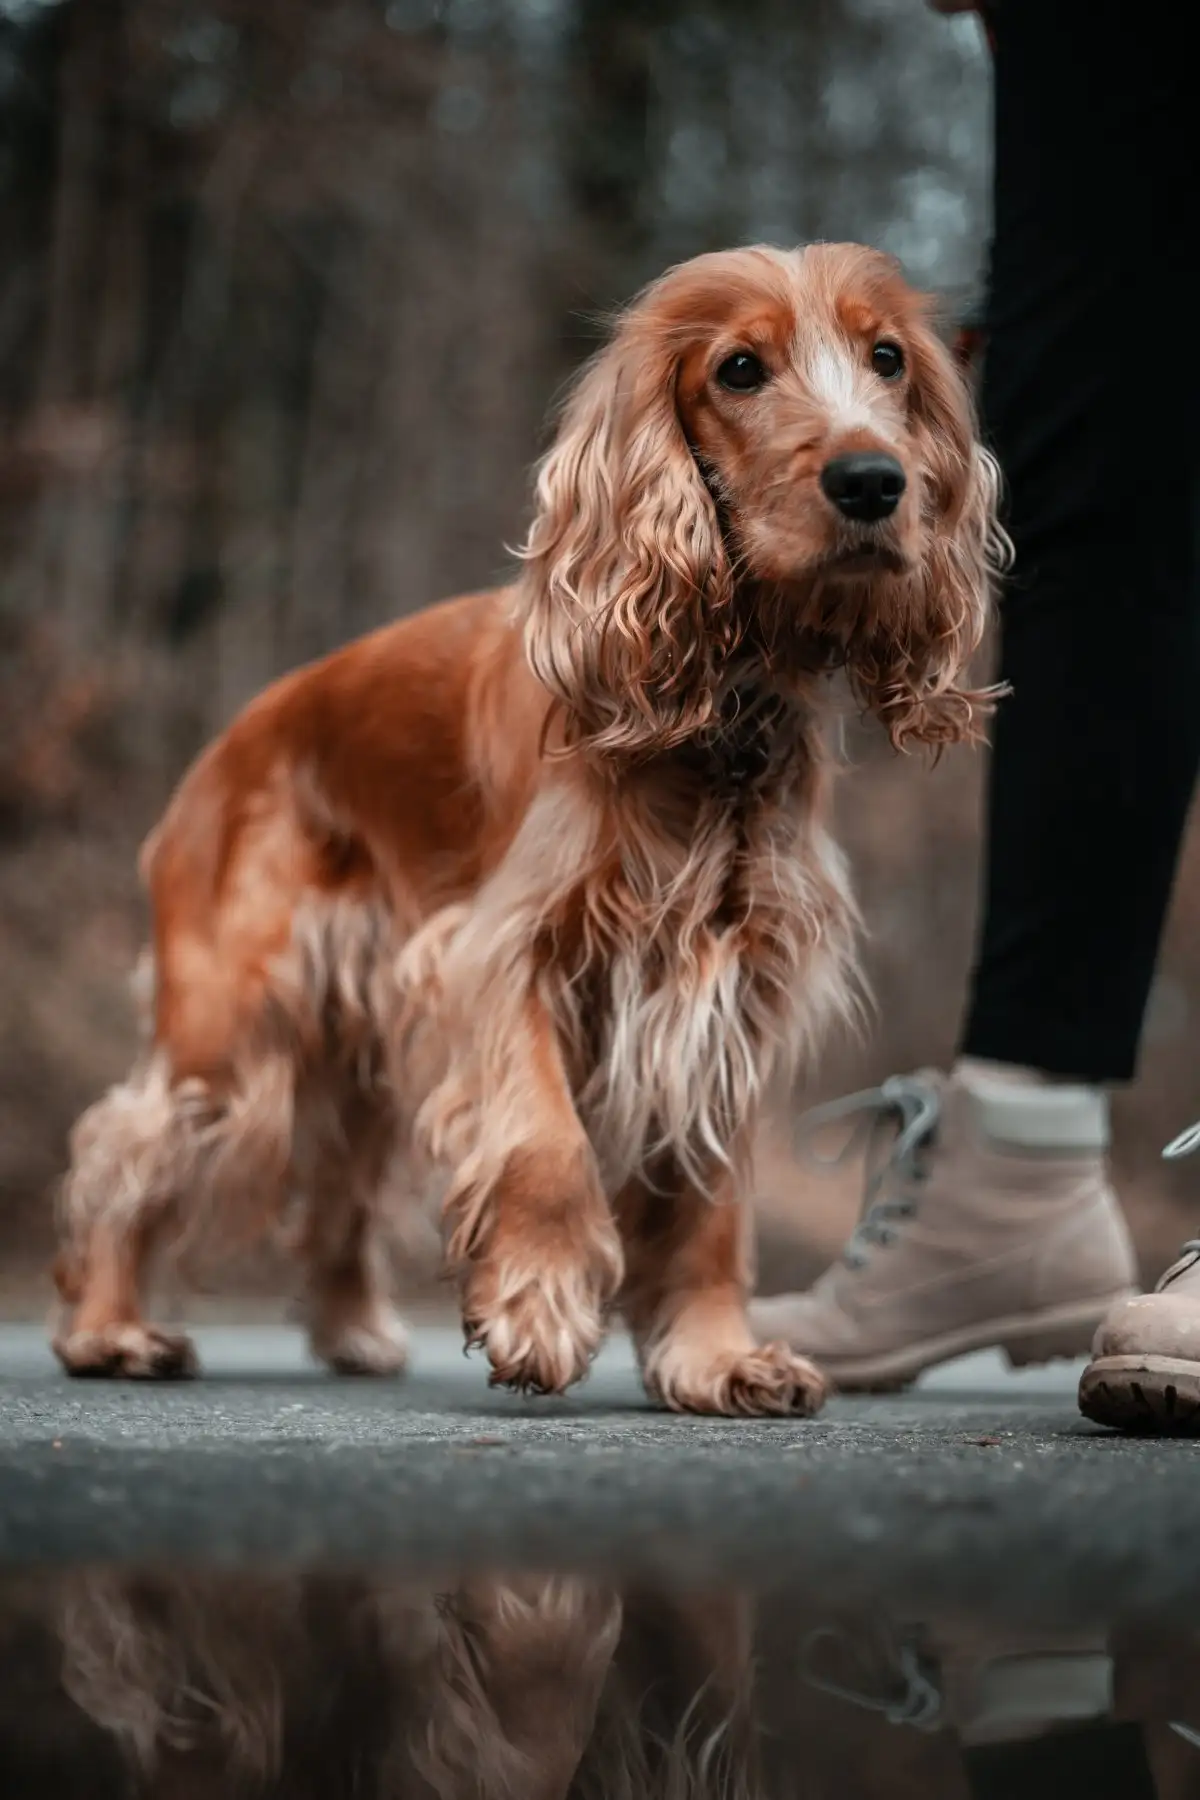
{"x":352,"y":1325}
{"x":156,"y":1165}
{"x":129,"y":1157}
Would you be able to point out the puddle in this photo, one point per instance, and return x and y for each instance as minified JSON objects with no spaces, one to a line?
{"x":146,"y":1682}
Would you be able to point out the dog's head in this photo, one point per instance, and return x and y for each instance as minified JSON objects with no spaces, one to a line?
{"x":775,"y":456}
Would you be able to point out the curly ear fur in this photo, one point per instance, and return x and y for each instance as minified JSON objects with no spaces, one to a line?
{"x":627,"y":587}
{"x":908,"y":668}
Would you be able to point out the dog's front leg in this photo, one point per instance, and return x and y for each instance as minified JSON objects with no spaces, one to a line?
{"x":688,"y":1257}
{"x":532,"y":1231}
{"x":523,"y":1663}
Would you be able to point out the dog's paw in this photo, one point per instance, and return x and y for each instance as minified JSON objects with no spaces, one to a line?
{"x":559,"y":1619}
{"x":374,"y":1346}
{"x":128,"y":1352}
{"x":540,"y":1326}
{"x":771,"y":1382}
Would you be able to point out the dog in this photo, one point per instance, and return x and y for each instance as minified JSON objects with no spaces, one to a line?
{"x":526,"y":1687}
{"x":297,"y":1683}
{"x":539,"y":882}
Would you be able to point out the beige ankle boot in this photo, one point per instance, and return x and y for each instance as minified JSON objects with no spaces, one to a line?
{"x":991,"y":1222}
{"x":1145,"y":1369}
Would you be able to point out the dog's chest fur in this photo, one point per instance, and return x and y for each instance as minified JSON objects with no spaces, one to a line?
{"x":713,"y":943}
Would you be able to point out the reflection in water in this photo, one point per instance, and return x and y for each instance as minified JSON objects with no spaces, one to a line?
{"x":188,"y":1686}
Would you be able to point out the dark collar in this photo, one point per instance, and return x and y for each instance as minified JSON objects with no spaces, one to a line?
{"x":739,"y":748}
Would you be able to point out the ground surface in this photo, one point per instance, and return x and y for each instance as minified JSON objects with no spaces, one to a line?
{"x":979,"y":1479}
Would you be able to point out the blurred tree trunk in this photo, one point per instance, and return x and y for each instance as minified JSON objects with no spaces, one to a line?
{"x":65,"y":545}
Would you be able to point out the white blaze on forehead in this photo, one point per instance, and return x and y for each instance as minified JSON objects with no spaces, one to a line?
{"x":850,"y":394}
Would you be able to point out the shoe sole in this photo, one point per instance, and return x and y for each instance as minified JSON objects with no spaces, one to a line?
{"x":1159,"y":1394}
{"x":1028,"y":1340}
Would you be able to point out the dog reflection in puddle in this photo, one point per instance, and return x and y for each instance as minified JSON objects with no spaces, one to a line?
{"x":533,"y":1688}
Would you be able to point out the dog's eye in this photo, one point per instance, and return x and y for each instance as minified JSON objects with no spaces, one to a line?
{"x":887,"y":360}
{"x":742,"y":372}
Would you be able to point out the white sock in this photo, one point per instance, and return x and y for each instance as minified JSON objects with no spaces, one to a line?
{"x":979,"y":1069}
{"x":1025,"y":1106}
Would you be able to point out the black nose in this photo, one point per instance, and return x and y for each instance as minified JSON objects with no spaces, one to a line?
{"x":864,"y":485}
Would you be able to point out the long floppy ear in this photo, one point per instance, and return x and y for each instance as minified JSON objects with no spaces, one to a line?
{"x":627,"y":587}
{"x":911,"y":668}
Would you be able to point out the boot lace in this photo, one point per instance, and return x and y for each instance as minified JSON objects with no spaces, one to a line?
{"x":1184,"y":1144}
{"x":904,"y":1106}
{"x":913,"y":1699}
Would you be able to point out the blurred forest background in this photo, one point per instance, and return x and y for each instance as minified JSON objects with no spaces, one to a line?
{"x":286,"y":287}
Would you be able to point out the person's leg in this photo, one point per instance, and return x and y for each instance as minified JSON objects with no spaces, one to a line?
{"x":1102,"y":1760}
{"x":1089,"y":398}
{"x":1083,"y":840}
{"x":994,"y":1222}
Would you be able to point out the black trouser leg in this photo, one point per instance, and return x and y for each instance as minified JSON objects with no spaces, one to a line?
{"x":1090,"y":399}
{"x":1102,"y":1761}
